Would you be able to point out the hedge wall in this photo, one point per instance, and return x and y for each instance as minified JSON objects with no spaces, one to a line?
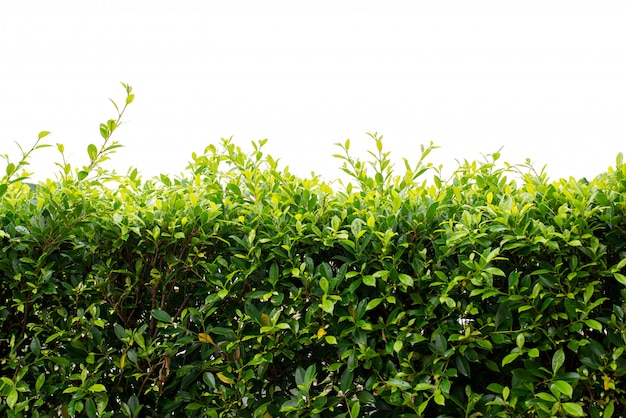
{"x":240,"y":289}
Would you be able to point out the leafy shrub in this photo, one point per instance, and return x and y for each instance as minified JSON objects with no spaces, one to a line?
{"x":240,"y":289}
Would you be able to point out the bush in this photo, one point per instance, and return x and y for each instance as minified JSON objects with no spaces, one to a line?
{"x":240,"y":289}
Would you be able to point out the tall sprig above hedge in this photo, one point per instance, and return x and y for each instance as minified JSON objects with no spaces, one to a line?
{"x":383,"y":175}
{"x":12,"y":169}
{"x":98,"y":155}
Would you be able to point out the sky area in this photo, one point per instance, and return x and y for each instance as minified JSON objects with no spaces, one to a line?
{"x":544,"y":80}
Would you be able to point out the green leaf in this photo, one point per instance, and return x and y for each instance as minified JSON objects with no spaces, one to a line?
{"x":562,"y":387}
{"x":366,"y":397}
{"x":324,"y":285}
{"x":35,"y":346}
{"x":40,"y":381}
{"x":161,"y":315}
{"x":97,"y":388}
{"x":557,"y":360}
{"x":369,"y":280}
{"x":309,"y":375}
{"x":3,"y":189}
{"x":92,"y":151}
{"x":355,"y":409}
{"x":399,"y":383}
{"x":331,"y":339}
{"x":119,"y":331}
{"x":328,"y":306}
{"x":126,"y":410}
{"x":423,"y":386}
{"x":608,"y":410}
{"x":439,"y":398}
{"x":406,"y":280}
{"x":10,"y":169}
{"x":194,"y":406}
{"x":132,"y":356}
{"x":510,"y":358}
{"x":71,"y":389}
{"x":111,"y":124}
{"x":545,"y":396}
{"x":573,"y":409}
{"x":373,"y":303}
{"x":273,"y":274}
{"x":355,"y":227}
{"x":90,"y":408}
{"x":345,"y":382}
{"x":12,"y":398}
{"x":61,"y":361}
{"x":462,"y":365}
{"x":422,"y":407}
{"x":43,"y":134}
{"x":104,"y":131}
{"x":592,"y":323}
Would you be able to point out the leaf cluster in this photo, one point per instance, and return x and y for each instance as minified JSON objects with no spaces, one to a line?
{"x":240,"y":289}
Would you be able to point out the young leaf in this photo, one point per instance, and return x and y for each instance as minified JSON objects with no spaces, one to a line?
{"x":97,"y":388}
{"x":406,"y":280}
{"x":369,"y":280}
{"x":331,"y":339}
{"x":92,"y":151}
{"x":104,"y":131}
{"x":10,"y":169}
{"x":510,"y":357}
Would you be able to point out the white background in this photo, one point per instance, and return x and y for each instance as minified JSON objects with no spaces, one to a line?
{"x":543,"y":79}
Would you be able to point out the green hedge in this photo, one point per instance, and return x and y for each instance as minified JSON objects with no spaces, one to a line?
{"x":240,"y":289}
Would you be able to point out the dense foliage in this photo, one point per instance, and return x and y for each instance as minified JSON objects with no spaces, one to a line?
{"x":240,"y":289}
